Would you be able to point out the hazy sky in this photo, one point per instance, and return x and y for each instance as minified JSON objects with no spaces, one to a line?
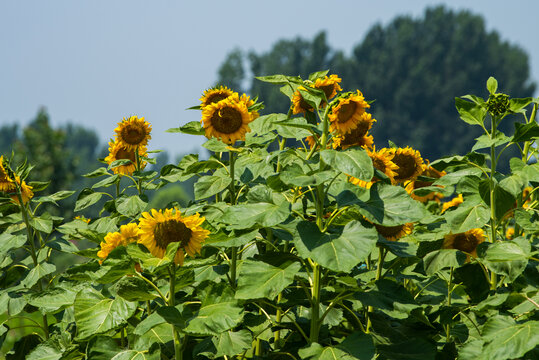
{"x":94,"y":62}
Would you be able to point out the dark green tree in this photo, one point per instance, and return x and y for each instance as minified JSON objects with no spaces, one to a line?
{"x":413,"y":68}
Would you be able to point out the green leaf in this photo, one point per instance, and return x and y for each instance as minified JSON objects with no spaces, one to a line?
{"x":108,"y":181}
{"x":528,"y":220}
{"x":131,"y":206}
{"x":318,"y":74}
{"x":9,"y":241}
{"x":54,"y":299}
{"x":95,"y":314}
{"x":60,"y":195}
{"x":44,"y":352}
{"x":134,"y":289}
{"x":230,"y":343}
{"x":279,"y":79}
{"x":506,"y":339}
{"x":41,"y":224}
{"x":411,"y":349}
{"x":96,"y":173}
{"x":353,"y":162}
{"x":208,"y":186}
{"x":119,"y":162}
{"x":294,"y":175}
{"x":87,"y":198}
{"x":215,"y":145}
{"x":191,"y":128}
{"x":102,"y":348}
{"x":492,"y":85}
{"x":516,"y":105}
{"x":258,"y":279}
{"x":441,"y":259}
{"x":38,"y":272}
{"x":508,"y":258}
{"x":514,"y":184}
{"x":484,"y":141}
{"x":338,"y":252}
{"x":465,"y":218}
{"x":316,"y":351}
{"x":262,"y":214}
{"x":138,"y":355}
{"x":470,"y":112}
{"x":218,"y":312}
{"x":388,"y":205}
{"x":525,"y":132}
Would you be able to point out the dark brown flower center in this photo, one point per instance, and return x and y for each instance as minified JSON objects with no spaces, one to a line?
{"x":464,"y":242}
{"x":389,"y":231}
{"x":407,"y":166}
{"x":133,"y":135}
{"x":227,"y":120}
{"x":356,"y":136}
{"x":125,"y":154}
{"x":171,"y":231}
{"x":215,"y":98}
{"x":328,"y":90}
{"x":346,"y":111}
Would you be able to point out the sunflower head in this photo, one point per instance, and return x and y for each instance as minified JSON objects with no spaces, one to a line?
{"x":394,"y":233}
{"x":329,"y":85}
{"x":409,"y":162}
{"x":119,"y":152}
{"x":430,"y":172}
{"x":311,"y":141}
{"x":160,"y":228}
{"x":6,"y":182}
{"x":526,"y":197}
{"x":299,"y":105}
{"x":228,"y":120}
{"x":356,"y":136}
{"x":133,"y":132}
{"x":26,"y":191}
{"x":127,"y":234}
{"x":214,"y":95}
{"x":456,"y":201}
{"x":466,"y":242}
{"x":510,"y":233}
{"x":348,"y":113}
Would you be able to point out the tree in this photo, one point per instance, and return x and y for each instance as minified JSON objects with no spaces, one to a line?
{"x":413,"y":68}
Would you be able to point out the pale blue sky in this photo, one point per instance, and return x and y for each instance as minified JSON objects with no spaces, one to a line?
{"x":94,"y":62}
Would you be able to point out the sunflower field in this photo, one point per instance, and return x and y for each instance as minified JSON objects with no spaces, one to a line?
{"x":305,"y":240}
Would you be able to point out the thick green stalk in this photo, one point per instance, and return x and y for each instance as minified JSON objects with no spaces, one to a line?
{"x":137,"y":166}
{"x":449,"y":291}
{"x":493,"y":225}
{"x":30,"y":238}
{"x":315,"y":305}
{"x":234,"y":250}
{"x":379,"y":267}
{"x":178,"y":351}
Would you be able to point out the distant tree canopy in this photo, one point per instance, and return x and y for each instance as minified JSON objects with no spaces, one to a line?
{"x":413,"y":68}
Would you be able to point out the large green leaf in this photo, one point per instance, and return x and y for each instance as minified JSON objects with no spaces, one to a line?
{"x":505,"y":339}
{"x":412,"y":349}
{"x":45,"y":352}
{"x":9,"y":241}
{"x":261,"y":214}
{"x":231,"y":343}
{"x":296,"y":176}
{"x":441,"y":259}
{"x":353,"y":162}
{"x":87,"y":198}
{"x":470,"y":112}
{"x":484,"y":141}
{"x":526,"y":132}
{"x":102,"y":348}
{"x":508,"y":258}
{"x":218,"y":312}
{"x":137,"y":355}
{"x":39,"y":271}
{"x":316,"y":351}
{"x":465,"y":217}
{"x":55,"y":298}
{"x":134,"y":289}
{"x":130,"y":206}
{"x":335,"y":251}
{"x":96,"y":314}
{"x":208,"y":186}
{"x":388,"y":205}
{"x":258,"y":279}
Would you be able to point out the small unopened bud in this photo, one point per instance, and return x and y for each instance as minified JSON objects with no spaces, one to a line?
{"x":498,"y":104}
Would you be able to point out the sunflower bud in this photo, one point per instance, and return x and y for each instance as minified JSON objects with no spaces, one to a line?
{"x":498,"y":104}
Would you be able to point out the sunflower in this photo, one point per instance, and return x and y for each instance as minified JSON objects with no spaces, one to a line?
{"x":349,"y":113}
{"x":161,"y":228}
{"x":526,"y":197}
{"x":244,"y":98}
{"x":26,"y":191}
{"x":299,"y":104}
{"x":133,"y":132}
{"x":409,"y":162}
{"x":456,"y":201}
{"x":430,"y":172}
{"x":381,"y":160}
{"x":228,"y":120}
{"x":311,"y":141}
{"x":357,"y":136}
{"x":510,"y":233}
{"x":118,"y":152}
{"x":329,"y":85}
{"x":394,"y":233}
{"x":214,"y":95}
{"x":6,"y":183}
{"x":466,"y":242}
{"x":128,"y":234}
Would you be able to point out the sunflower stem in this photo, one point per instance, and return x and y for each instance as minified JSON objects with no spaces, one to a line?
{"x":493,"y":119}
{"x":178,"y":351}
{"x":315,"y":304}
{"x":234,"y":251}
{"x":139,"y":181}
{"x":30,"y":238}
{"x":379,"y":267}
{"x":528,"y":143}
{"x":449,"y":291}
